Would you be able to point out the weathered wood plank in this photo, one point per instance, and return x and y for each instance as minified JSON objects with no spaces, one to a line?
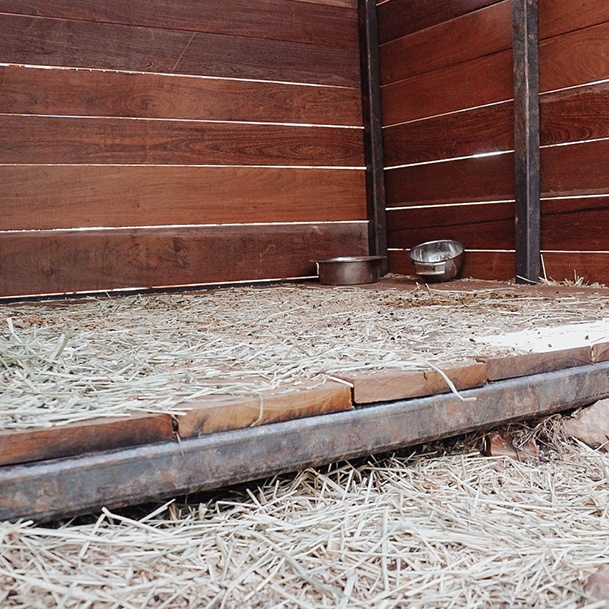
{"x":312,"y":23}
{"x":474,"y":179}
{"x":488,"y":129}
{"x":58,"y":42}
{"x":386,"y":385}
{"x":398,"y":18}
{"x":49,"y":140}
{"x":82,"y":92}
{"x":74,"y":486}
{"x":484,"y":80}
{"x":476,"y":34}
{"x":526,"y":364}
{"x":477,"y":226}
{"x":80,"y":196}
{"x":213,"y":416}
{"x":51,"y":262}
{"x":20,"y":446}
{"x":557,"y":17}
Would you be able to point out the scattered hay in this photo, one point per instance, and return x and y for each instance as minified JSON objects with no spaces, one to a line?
{"x":421,"y":530}
{"x":65,"y":362}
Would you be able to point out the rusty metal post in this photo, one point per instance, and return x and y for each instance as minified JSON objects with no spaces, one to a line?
{"x":373,"y":129}
{"x":526,"y":140}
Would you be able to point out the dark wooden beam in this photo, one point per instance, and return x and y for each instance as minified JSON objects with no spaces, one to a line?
{"x":526,"y":136}
{"x":373,"y":129}
{"x":65,"y":487}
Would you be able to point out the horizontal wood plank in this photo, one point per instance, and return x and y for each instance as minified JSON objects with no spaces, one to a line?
{"x":476,"y":34}
{"x":576,"y":58}
{"x":54,"y":262}
{"x":33,"y":139}
{"x":468,"y":180}
{"x":482,"y":130}
{"x":484,"y":80}
{"x":313,"y":23}
{"x":575,"y":224}
{"x":577,"y":169}
{"x":398,"y":18}
{"x":575,"y":114}
{"x":526,"y":364}
{"x":476,"y":226}
{"x":36,"y":444}
{"x":387,"y":385}
{"x":58,"y":42}
{"x":567,"y":224}
{"x":81,"y":196}
{"x":80,"y":92}
{"x":212,"y":416}
{"x":558,"y":17}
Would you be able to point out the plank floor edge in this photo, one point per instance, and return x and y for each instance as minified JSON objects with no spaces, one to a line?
{"x":63,"y":488}
{"x":526,"y":364}
{"x":37,"y":444}
{"x":394,"y":384}
{"x":213,"y":416}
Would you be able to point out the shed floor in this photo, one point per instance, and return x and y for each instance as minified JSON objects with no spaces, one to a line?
{"x":92,"y":375}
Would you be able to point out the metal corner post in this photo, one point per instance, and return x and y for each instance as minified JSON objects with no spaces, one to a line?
{"x":373,"y":128}
{"x":525,"y":30}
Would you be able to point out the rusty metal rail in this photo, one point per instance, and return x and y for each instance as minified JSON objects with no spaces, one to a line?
{"x":66,"y":487}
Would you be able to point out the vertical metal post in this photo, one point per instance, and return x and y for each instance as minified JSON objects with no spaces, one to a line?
{"x":373,"y":128}
{"x":526,"y":140}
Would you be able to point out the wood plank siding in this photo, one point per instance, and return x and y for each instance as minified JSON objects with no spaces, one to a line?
{"x":447,"y":100}
{"x":233,"y":126}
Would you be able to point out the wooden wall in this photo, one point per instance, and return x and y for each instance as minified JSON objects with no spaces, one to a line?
{"x":447,"y":99}
{"x":157,"y":143}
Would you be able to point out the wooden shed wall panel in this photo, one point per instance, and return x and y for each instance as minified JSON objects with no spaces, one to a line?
{"x":80,"y":92}
{"x":398,"y":18}
{"x":56,"y":262}
{"x":59,"y":42}
{"x":313,"y":23}
{"x":43,"y":140}
{"x":45,"y":197}
{"x":472,"y":35}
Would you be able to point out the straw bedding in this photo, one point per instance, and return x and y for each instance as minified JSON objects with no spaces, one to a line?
{"x":423,"y":530}
{"x":61,"y":363}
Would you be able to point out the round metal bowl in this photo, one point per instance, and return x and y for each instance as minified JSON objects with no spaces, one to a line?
{"x":349,"y":270}
{"x":437,"y":260}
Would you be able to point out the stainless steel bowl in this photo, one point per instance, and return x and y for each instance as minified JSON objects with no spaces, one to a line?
{"x":349,"y":270}
{"x":439,"y":260}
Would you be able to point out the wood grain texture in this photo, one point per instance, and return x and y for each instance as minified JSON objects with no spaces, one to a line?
{"x":476,"y":226}
{"x":44,"y":197}
{"x":481,"y":130}
{"x":513,"y":366}
{"x":312,"y":23}
{"x":33,"y":139}
{"x":58,"y":262}
{"x":484,"y":80}
{"x":558,"y":17}
{"x":386,"y":385}
{"x":58,"y":42}
{"x":398,"y":18}
{"x":467,"y":180}
{"x":22,"y":446}
{"x":473,"y":35}
{"x":577,"y":169}
{"x":576,"y":58}
{"x":575,"y":224}
{"x":212,"y":416}
{"x":575,"y":114}
{"x":82,"y":92}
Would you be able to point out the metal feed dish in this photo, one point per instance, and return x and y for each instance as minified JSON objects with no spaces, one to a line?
{"x":349,"y":270}
{"x":439,"y":260}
